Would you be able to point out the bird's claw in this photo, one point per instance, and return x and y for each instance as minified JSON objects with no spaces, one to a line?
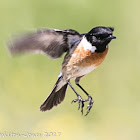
{"x":81,"y":103}
{"x":90,"y":104}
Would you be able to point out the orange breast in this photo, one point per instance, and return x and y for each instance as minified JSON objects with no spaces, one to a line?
{"x":83,"y":58}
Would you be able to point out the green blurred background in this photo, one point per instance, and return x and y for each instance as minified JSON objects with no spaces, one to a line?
{"x":26,"y":81}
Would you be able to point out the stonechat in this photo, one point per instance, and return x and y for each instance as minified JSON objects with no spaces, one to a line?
{"x":84,"y":53}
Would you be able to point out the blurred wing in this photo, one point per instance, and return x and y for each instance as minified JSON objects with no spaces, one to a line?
{"x":51,"y":42}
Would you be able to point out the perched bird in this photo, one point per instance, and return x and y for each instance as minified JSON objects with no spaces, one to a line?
{"x":84,"y":53}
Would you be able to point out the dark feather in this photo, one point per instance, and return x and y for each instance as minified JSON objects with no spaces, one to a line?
{"x":51,"y":42}
{"x":54,"y":98}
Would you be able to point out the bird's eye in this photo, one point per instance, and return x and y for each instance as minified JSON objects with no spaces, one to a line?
{"x":102,"y":36}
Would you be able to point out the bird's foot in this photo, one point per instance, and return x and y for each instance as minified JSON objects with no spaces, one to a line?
{"x":90,"y":104}
{"x":80,"y":103}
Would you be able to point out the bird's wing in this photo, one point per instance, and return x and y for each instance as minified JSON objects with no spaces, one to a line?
{"x":51,"y":42}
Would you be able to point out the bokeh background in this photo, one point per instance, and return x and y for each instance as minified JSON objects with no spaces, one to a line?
{"x":25,"y":81}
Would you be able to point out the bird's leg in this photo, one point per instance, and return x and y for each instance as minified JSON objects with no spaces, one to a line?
{"x":90,"y":104}
{"x":79,"y":99}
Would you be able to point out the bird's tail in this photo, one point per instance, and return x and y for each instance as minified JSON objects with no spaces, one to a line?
{"x":56,"y":96}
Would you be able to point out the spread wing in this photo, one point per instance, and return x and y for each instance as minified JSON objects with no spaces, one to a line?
{"x":51,"y":42}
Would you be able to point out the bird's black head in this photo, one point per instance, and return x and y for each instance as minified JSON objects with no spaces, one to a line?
{"x":100,"y":37}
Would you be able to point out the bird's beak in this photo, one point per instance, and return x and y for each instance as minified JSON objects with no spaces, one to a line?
{"x":112,"y":37}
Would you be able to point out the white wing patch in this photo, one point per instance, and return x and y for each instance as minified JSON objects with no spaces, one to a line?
{"x":87,"y":45}
{"x":57,"y":30}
